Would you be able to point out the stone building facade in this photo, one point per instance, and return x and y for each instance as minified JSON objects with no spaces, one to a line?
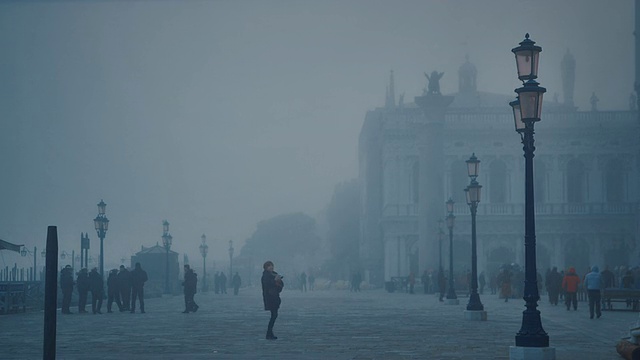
{"x":412,"y":159}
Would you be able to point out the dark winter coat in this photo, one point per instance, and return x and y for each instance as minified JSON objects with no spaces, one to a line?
{"x":124,"y":280}
{"x":112,"y":282}
{"x":96,"y":284}
{"x":190,"y":282}
{"x":66,"y":279}
{"x":271,"y":290}
{"x":83,"y":281}
{"x":138,"y":278}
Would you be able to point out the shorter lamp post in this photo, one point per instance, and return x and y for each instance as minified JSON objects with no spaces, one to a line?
{"x":204,"y":249}
{"x":167,"y":239}
{"x":452,"y":298}
{"x":475,"y":309}
{"x":230,"y":259}
{"x":101,"y":224}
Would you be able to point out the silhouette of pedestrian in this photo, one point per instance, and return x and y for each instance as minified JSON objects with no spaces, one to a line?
{"x":138,"y":278}
{"x":190,"y":284}
{"x":303,"y":282}
{"x":124,"y":286}
{"x":223,"y":283}
{"x":82,"y":283}
{"x":113,"y":292}
{"x":96,"y":285}
{"x":271,"y":287}
{"x":235,"y":282}
{"x":66,"y":285}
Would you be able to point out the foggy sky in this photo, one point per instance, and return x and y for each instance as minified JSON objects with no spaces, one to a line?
{"x":215,"y":115}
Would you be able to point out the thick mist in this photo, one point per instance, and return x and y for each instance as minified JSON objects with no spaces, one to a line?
{"x":216,"y":115}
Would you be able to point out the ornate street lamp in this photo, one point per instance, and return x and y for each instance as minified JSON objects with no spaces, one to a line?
{"x":230,"y":258}
{"x":440,"y":269}
{"x":452,"y":298}
{"x":204,"y":249}
{"x":167,"y":239}
{"x":101,"y":223}
{"x":475,"y":309}
{"x":527,"y":110}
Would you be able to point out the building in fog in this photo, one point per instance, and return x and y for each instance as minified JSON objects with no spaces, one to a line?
{"x":153,"y":260}
{"x":412,"y":159}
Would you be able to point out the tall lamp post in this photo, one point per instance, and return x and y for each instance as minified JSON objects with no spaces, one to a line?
{"x":166,"y":242}
{"x":230,"y":259}
{"x":526,"y":110}
{"x":475,"y":309}
{"x":452,"y":298}
{"x":204,"y":249}
{"x":440,"y":237}
{"x":101,"y":224}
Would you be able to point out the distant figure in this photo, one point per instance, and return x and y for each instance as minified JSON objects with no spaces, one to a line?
{"x":113,"y":291}
{"x":83,"y":289}
{"x":570,"y":284}
{"x":138,"y":278}
{"x":216,"y":283}
{"x":425,"y":281}
{"x":412,"y":282}
{"x":434,"y":82}
{"x":593,"y":284}
{"x":223,"y":283}
{"x":190,"y":284}
{"x":504,"y":282}
{"x":554,"y":285}
{"x":608,"y":278}
{"x":272,"y":285}
{"x":124,"y":286}
{"x":356,"y":279}
{"x":303,"y":282}
{"x":482,"y":281}
{"x":96,"y":285}
{"x":312,"y":282}
{"x":66,"y":285}
{"x":235,"y":282}
{"x":442,"y":284}
{"x":594,"y":101}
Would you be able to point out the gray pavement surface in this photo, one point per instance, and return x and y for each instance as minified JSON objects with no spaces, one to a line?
{"x":330,"y":324}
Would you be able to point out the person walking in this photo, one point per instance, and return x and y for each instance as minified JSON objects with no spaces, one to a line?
{"x":504,"y":281}
{"x":124,"y":286}
{"x":303,"y":282}
{"x":190,"y":284}
{"x":235,"y":282}
{"x":570,"y":284}
{"x":66,"y":285}
{"x":82,"y":283}
{"x":312,"y":282}
{"x":113,"y":291}
{"x":272,"y":285}
{"x":223,"y":283}
{"x":554,"y":285}
{"x":482,"y":282}
{"x":96,"y":285}
{"x":593,"y":283}
{"x":425,"y":281}
{"x":138,"y":278}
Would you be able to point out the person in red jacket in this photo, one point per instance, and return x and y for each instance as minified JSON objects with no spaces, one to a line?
{"x":570,"y":284}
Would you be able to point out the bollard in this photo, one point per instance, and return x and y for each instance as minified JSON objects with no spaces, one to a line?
{"x":50,"y":294}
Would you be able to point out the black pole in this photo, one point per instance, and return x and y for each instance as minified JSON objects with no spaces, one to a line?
{"x":102,"y":234}
{"x":204,"y":273}
{"x":50,"y":295}
{"x":531,"y":333}
{"x":451,"y":294}
{"x":474,"y":297}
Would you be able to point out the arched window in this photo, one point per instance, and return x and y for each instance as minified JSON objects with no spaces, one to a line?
{"x":540,"y":187}
{"x":575,"y":181}
{"x":459,"y":181}
{"x":498,"y":182}
{"x":614,"y":181}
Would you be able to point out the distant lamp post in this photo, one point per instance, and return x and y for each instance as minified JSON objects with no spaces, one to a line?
{"x":527,"y":110}
{"x":440,"y":238}
{"x":166,"y":242}
{"x":475,"y":309}
{"x":101,"y":224}
{"x":204,"y":249}
{"x":230,"y":258}
{"x":452,"y":298}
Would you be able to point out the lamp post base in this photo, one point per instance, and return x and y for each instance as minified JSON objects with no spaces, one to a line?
{"x":475,"y":315}
{"x":532,"y":353}
{"x":452,"y":301}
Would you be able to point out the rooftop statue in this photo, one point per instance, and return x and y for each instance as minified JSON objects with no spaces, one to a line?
{"x":434,"y":82}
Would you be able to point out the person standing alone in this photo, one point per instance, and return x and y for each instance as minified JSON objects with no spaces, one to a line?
{"x":138,"y":278}
{"x":271,"y":287}
{"x":190,"y":285}
{"x":593,"y":283}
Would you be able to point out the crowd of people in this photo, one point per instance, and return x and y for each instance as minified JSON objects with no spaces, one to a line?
{"x":124,"y":288}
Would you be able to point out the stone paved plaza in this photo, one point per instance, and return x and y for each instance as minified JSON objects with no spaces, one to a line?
{"x":328,"y":324}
